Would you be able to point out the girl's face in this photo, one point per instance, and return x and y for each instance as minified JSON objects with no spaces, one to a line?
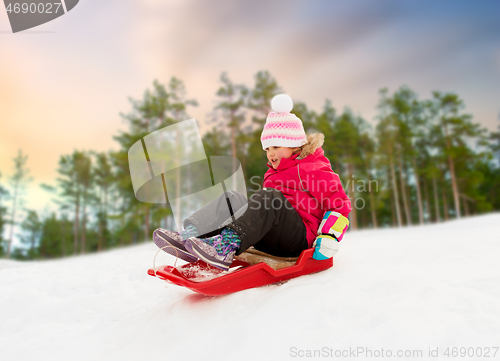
{"x":274,"y":155}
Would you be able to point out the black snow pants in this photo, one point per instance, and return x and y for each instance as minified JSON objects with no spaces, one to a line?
{"x":266,"y":221}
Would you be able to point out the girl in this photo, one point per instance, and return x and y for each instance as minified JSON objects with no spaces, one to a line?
{"x":302,"y":204}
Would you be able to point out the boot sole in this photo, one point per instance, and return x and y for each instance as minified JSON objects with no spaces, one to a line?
{"x":172,"y":247}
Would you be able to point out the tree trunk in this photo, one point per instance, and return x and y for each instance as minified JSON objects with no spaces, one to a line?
{"x":427,"y":208}
{"x":393,"y":209}
{"x":100,"y":220}
{"x":233,"y":143}
{"x":338,"y":169}
{"x":419,"y":197}
{"x":466,"y":207}
{"x":137,"y":214}
{"x":32,"y":250}
{"x":372,"y":206}
{"x":105,"y":218}
{"x":445,"y":206}
{"x":13,"y":219}
{"x":178,"y":186}
{"x":395,"y":191}
{"x":436,"y":201}
{"x":372,"y":198}
{"x":146,"y":222}
{"x":353,"y":219}
{"x":76,"y":225}
{"x":454,"y":186}
{"x":403,"y":188}
{"x":122,"y":242}
{"x":362,"y":220}
{"x":451,"y":165}
{"x":99,"y":236}
{"x":63,"y":242}
{"x":84,"y":224}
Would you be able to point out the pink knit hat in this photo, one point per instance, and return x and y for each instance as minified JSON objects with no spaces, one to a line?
{"x":282,"y":128}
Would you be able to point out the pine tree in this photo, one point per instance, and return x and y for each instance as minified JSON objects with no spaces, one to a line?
{"x":3,"y":211}
{"x":428,"y":170}
{"x":70,"y":190}
{"x":230,"y":103}
{"x":491,"y":171}
{"x":324,"y":123}
{"x":260,"y":96}
{"x":349,"y":132}
{"x":54,"y":239}
{"x":216,"y":143}
{"x":453,"y":131}
{"x":495,"y":143}
{"x":386,"y":132}
{"x":409,"y":112}
{"x":85,"y":179}
{"x":18,"y":182}
{"x":158,"y":108}
{"x":103,"y":176}
{"x":32,"y":228}
{"x":178,"y":112}
{"x":370,"y":173}
{"x":147,"y":115}
{"x":75,"y":183}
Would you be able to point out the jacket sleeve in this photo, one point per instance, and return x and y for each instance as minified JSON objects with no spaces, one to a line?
{"x":325,"y":186}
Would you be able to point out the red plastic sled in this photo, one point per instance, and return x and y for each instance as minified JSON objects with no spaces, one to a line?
{"x":207,"y":280}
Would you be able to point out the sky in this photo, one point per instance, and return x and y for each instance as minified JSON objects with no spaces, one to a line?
{"x":64,"y":84}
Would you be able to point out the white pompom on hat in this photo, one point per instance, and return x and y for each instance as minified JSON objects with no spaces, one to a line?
{"x":282,"y":128}
{"x":282,"y":103}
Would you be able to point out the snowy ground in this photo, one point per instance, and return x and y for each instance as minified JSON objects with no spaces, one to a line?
{"x":397,"y":290}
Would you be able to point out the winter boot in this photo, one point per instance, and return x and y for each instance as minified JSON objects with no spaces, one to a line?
{"x":174,"y":242}
{"x":217,"y":251}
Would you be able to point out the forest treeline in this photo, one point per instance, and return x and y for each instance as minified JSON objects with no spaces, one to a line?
{"x":419,"y":161}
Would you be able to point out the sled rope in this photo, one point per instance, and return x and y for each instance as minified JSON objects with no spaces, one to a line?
{"x":161,"y":249}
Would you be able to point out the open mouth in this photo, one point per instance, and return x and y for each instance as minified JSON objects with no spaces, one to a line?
{"x":274,"y":160}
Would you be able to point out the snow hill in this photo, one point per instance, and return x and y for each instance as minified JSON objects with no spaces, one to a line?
{"x":401,"y":291}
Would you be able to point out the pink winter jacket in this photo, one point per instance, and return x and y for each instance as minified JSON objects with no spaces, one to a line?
{"x":311,"y":186}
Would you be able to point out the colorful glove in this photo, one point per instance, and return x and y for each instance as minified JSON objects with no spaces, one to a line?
{"x":330,"y":232}
{"x":325,"y":247}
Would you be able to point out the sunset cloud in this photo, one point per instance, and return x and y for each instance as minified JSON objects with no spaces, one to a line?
{"x":63,"y":89}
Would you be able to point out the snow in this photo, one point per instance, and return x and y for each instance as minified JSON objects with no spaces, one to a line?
{"x":415,"y":288}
